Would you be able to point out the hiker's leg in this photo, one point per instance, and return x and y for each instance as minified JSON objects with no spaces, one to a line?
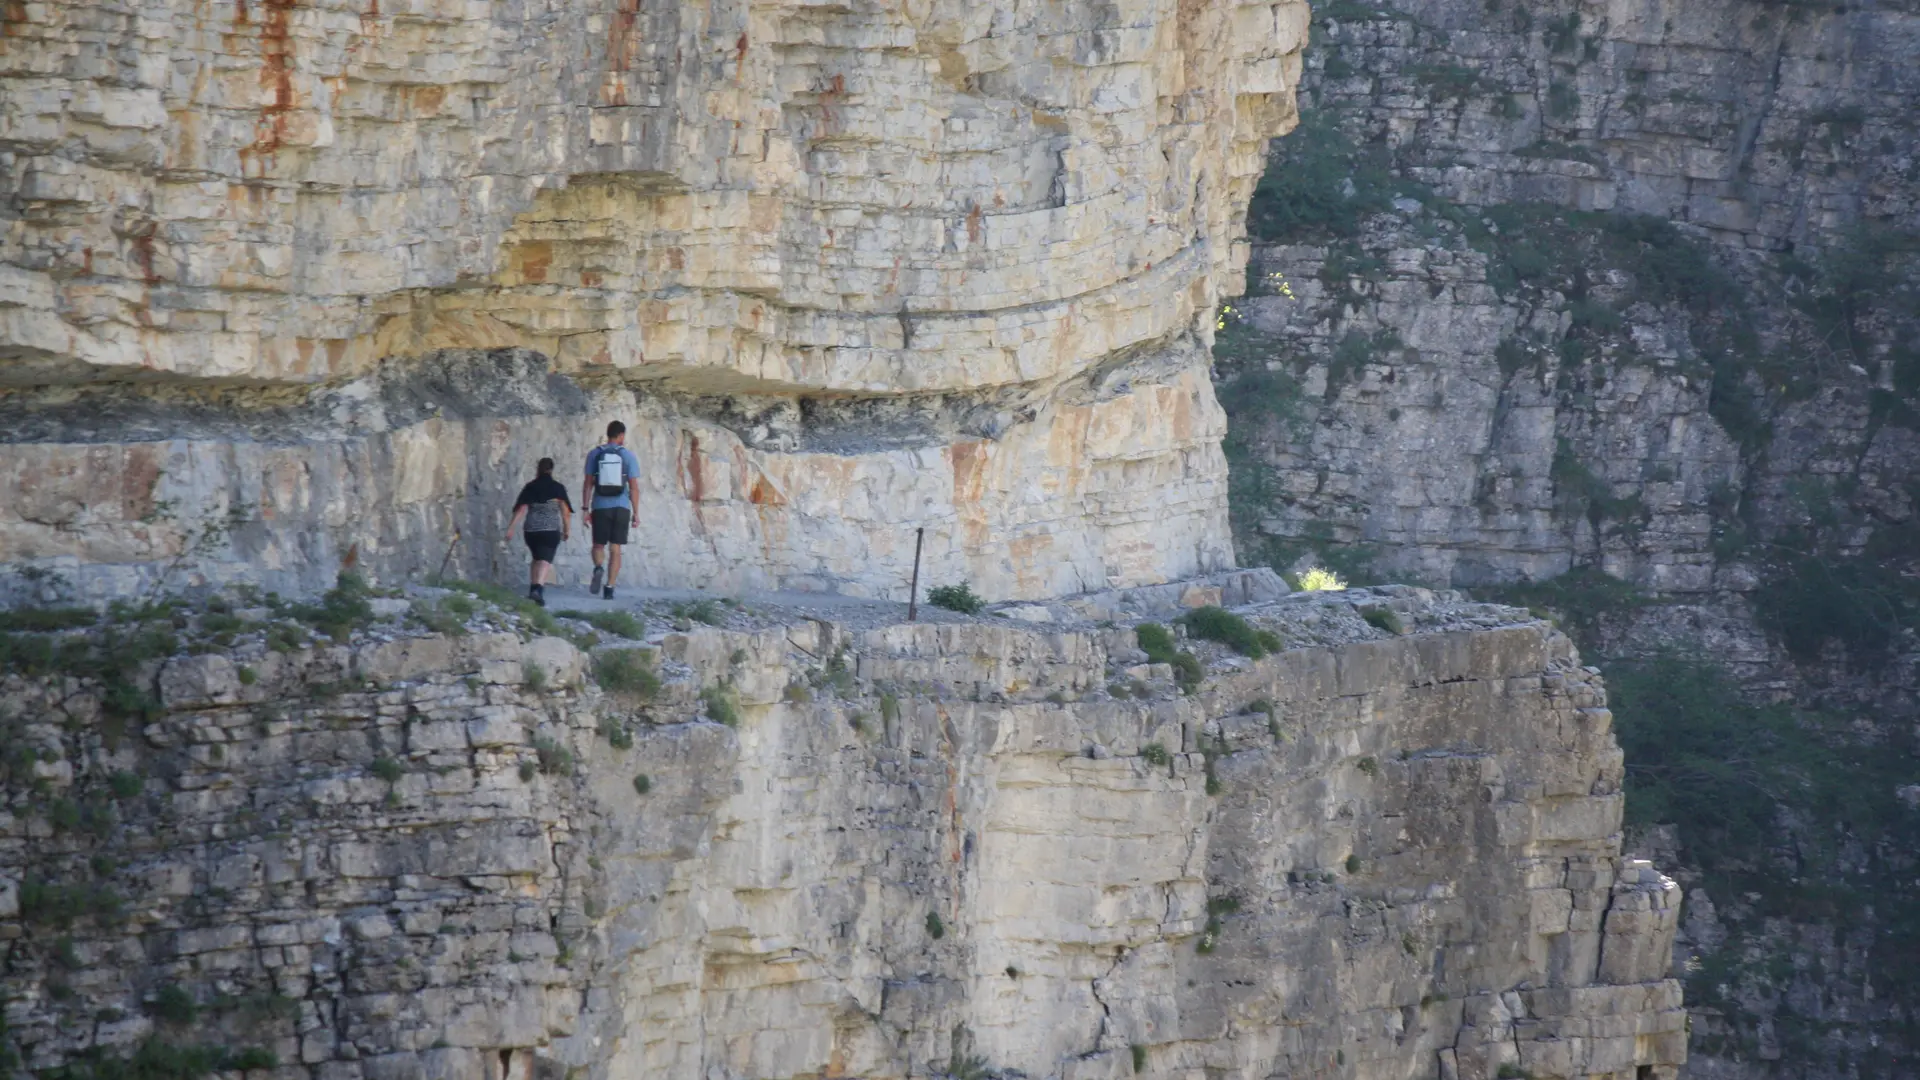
{"x":613,"y":565}
{"x":599,"y":554}
{"x":540,"y":572}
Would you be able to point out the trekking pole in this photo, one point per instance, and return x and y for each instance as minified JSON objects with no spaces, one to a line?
{"x":913,"y":590}
{"x":451,"y":544}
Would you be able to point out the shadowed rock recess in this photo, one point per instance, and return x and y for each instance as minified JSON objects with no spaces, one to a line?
{"x":846,"y":271}
{"x":967,"y":848}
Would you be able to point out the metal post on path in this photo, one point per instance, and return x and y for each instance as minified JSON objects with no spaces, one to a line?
{"x":913,"y":590}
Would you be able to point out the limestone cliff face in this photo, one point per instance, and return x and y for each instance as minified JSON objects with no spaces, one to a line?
{"x":1488,"y":397}
{"x":1630,"y":290}
{"x":845,"y":271}
{"x":965,"y":848}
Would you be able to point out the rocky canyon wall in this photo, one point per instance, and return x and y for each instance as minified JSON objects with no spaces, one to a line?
{"x":291,"y":280}
{"x":452,"y":845}
{"x":1611,"y":309}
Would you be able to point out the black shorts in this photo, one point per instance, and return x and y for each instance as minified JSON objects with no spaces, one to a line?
{"x":542,"y":544}
{"x":610,"y":525}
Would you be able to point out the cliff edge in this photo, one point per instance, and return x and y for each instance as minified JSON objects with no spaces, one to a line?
{"x":456,"y":845}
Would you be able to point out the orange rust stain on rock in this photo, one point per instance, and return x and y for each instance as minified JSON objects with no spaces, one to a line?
{"x":139,"y":478}
{"x":428,"y":99}
{"x":969,"y":462}
{"x":141,"y":244}
{"x":535,"y":259}
{"x":676,"y":258}
{"x":764,"y":494}
{"x":623,"y":48}
{"x":276,"y":77}
{"x":13,"y":18}
{"x":696,"y":481}
{"x":973,"y":224}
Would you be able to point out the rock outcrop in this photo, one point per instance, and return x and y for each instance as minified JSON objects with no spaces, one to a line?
{"x":286,"y":280}
{"x":961,"y":848}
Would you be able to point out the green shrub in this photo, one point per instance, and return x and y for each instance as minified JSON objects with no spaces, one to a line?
{"x":1581,"y":597}
{"x":1381,"y":618}
{"x":1187,"y":671}
{"x":157,"y":1059}
{"x":1156,"y":755}
{"x":1139,"y":1053}
{"x":959,"y":598}
{"x":341,"y":610}
{"x":642,"y":784}
{"x":1320,"y":579}
{"x":1156,"y":641}
{"x":47,"y":620}
{"x":555,"y":759}
{"x":700,"y":611}
{"x":125,"y":785}
{"x":388,"y":770}
{"x":721,"y":705}
{"x":626,"y":671}
{"x":1864,"y":604}
{"x":1212,"y":623}
{"x":534,"y":676}
{"x":935,"y":928}
{"x":616,"y":733}
{"x":1353,"y":864}
{"x":1321,"y":183}
{"x":173,"y":1005}
{"x":618,"y":623}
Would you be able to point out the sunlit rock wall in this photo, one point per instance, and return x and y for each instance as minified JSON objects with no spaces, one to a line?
{"x":847,"y":271}
{"x":932,"y":849}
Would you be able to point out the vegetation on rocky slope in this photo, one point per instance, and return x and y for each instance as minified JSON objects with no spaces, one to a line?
{"x":1782,"y":774}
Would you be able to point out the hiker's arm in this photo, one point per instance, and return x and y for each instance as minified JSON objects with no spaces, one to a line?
{"x":566,"y":519}
{"x":586,"y":489}
{"x":518,"y":513}
{"x":633,"y":493}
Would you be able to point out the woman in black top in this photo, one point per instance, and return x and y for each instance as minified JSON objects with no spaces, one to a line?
{"x":549,"y":515}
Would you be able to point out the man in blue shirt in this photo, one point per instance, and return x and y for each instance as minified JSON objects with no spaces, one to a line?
{"x":613,"y":476}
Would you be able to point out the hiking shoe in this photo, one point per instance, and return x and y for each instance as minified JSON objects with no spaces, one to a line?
{"x":607,"y":593}
{"x":599,"y":574}
{"x":540,"y":595}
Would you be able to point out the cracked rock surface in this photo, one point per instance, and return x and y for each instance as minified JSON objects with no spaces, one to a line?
{"x":917,"y":849}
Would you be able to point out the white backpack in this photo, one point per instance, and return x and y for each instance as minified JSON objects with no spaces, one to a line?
{"x":610,"y":472}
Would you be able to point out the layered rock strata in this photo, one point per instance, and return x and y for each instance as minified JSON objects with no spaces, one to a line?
{"x":1481,"y":399}
{"x":847,"y":272}
{"x":962,"y":848}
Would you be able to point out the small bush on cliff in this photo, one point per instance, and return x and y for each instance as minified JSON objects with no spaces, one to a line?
{"x":699,"y":611}
{"x":1319,"y":579}
{"x":341,"y":610}
{"x":618,"y":623}
{"x":157,"y":1059}
{"x":721,"y":706}
{"x":626,"y":671}
{"x":47,"y":620}
{"x":959,"y":598}
{"x":1383,"y":619}
{"x":1218,"y":624}
{"x":1157,"y":642}
{"x":1155,"y":755}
